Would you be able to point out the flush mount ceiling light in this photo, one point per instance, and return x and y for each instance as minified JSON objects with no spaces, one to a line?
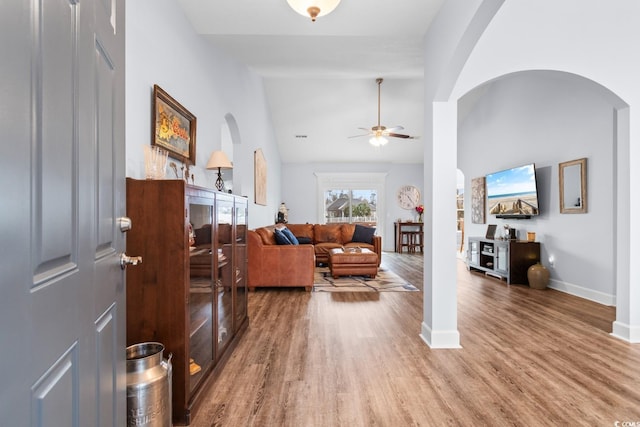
{"x":313,"y":8}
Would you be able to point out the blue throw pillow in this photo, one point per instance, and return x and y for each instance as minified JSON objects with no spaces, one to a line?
{"x":304,"y":240}
{"x":290,"y":236}
{"x":281,"y":239}
{"x":363,"y":234}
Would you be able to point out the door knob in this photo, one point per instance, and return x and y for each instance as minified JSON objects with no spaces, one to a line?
{"x":129,"y":260}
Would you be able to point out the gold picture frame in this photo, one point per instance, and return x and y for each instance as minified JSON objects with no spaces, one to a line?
{"x":173,"y":127}
{"x":260,"y":177}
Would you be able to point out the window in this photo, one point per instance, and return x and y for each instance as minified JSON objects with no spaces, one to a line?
{"x":351,"y":206}
{"x":357,"y":190}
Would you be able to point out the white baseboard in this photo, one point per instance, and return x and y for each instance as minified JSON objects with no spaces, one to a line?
{"x":440,"y":339}
{"x":579,"y":291}
{"x":626,"y":332}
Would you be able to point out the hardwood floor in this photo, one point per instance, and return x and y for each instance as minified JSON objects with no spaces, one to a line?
{"x":528,"y":358}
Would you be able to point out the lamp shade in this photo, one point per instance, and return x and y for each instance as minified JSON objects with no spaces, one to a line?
{"x":219,"y":160}
{"x":313,"y":8}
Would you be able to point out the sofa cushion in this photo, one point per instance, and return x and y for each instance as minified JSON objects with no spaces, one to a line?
{"x":301,"y":230}
{"x":346,"y":232}
{"x":363,"y":234}
{"x":266,"y":235}
{"x":323,"y":249}
{"x":280,"y":237}
{"x":327,"y":233}
{"x":289,"y":235}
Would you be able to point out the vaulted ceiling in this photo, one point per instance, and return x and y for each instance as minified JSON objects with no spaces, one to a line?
{"x":320,"y":77}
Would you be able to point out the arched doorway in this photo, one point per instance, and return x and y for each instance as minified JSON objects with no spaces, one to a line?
{"x":229,"y":137}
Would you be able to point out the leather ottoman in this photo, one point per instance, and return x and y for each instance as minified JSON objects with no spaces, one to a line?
{"x":353,"y":262}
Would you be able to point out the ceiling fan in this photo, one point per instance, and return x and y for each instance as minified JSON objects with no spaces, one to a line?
{"x":379,"y":133}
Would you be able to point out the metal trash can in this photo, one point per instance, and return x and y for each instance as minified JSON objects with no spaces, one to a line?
{"x":148,"y":386}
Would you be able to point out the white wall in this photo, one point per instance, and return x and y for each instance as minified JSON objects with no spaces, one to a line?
{"x":300,"y":195}
{"x":599,"y":44}
{"x":162,"y":48}
{"x":548,"y":118}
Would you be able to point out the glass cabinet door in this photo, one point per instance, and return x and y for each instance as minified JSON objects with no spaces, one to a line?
{"x":224,"y":271}
{"x":474,"y":252}
{"x":240,"y":261}
{"x":502,"y":260}
{"x":200,"y":234}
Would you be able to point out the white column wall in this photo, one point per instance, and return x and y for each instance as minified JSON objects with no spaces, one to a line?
{"x":440,"y":325}
{"x":448,"y":42}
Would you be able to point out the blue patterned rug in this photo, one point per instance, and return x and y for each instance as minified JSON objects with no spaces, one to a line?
{"x":385,"y":281}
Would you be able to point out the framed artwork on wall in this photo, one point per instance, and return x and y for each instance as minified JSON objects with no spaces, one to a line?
{"x":478,"y":200}
{"x":173,"y":127}
{"x":260,"y":177}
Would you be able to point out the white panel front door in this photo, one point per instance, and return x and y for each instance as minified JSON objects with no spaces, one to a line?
{"x":62,"y":311}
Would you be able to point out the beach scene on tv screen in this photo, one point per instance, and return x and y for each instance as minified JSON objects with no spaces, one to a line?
{"x":513,"y":191}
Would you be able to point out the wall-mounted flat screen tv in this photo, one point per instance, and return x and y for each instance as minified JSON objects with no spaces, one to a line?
{"x":513,"y":193}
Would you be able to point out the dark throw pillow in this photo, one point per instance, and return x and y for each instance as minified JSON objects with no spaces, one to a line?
{"x":363,"y":234}
{"x":304,"y":240}
{"x":292,"y":239}
{"x":281,"y":239}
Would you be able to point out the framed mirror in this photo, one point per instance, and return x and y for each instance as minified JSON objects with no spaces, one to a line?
{"x":573,"y":186}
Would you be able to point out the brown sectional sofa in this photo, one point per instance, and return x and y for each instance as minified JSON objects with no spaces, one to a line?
{"x":273,"y":265}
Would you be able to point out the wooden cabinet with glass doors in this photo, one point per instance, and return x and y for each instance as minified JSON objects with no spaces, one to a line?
{"x":190,"y":292}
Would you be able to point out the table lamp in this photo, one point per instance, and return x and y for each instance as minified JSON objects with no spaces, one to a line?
{"x":219,"y":160}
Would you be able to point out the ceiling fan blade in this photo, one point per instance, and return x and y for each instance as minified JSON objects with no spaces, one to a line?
{"x":358,"y":136}
{"x":394,"y":129}
{"x":365,"y":129}
{"x":400,"y":135}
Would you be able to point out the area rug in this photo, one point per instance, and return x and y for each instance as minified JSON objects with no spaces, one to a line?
{"x":385,"y":281}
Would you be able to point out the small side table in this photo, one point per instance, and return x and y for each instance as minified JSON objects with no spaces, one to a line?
{"x":409,"y":235}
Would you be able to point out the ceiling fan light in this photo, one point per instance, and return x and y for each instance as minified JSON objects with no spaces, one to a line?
{"x":378,"y":141}
{"x":313,"y":8}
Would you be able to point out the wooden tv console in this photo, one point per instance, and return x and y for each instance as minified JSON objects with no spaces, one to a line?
{"x":504,"y":259}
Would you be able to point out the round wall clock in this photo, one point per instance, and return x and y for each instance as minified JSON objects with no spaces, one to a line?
{"x":408,"y":197}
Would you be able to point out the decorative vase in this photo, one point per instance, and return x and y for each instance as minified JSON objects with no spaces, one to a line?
{"x":283,"y":214}
{"x":538,"y":276}
{"x":419,"y":217}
